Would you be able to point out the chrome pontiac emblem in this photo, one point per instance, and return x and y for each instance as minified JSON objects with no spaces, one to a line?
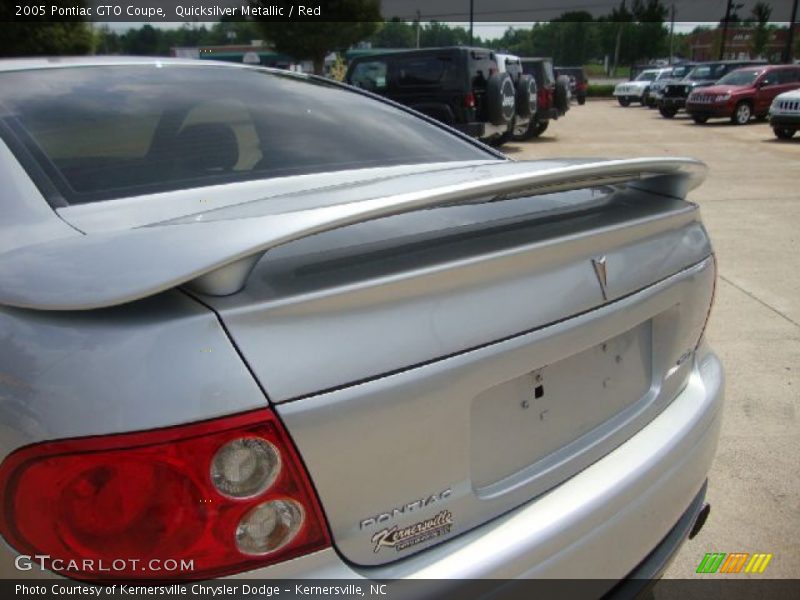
{"x":599,"y":265}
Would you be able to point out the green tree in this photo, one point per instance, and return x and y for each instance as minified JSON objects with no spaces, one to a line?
{"x":435,"y":34}
{"x":355,"y":20}
{"x":41,"y":36}
{"x":394,"y":34}
{"x":761,"y":13}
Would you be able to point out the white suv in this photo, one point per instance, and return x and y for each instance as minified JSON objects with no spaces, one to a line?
{"x":634,"y":91}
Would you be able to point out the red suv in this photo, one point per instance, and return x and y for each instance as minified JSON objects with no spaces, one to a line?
{"x":743,"y":93}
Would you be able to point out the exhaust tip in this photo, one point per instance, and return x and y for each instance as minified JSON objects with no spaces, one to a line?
{"x":702,"y":516}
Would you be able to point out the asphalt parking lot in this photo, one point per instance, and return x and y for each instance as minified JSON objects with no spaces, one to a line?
{"x":751,"y":205}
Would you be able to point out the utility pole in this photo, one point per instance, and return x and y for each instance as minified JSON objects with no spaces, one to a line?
{"x":725,"y":30}
{"x":725,"y":26}
{"x":419,"y":17}
{"x":787,"y":54}
{"x":472,"y":16}
{"x":671,"y":32}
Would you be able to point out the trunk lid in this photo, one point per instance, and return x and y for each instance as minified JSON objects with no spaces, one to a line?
{"x":440,"y":367}
{"x":442,"y":345}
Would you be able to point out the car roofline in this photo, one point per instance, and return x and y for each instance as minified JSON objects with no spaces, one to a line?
{"x":59,"y":62}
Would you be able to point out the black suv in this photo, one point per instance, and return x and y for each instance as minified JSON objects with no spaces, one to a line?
{"x":553,"y":100}
{"x":675,"y":93}
{"x":578,"y":82}
{"x":459,"y":86}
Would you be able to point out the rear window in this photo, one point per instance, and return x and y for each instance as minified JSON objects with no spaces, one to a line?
{"x":108,"y":132}
{"x":427,"y":70}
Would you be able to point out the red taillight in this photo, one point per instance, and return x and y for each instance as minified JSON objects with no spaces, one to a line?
{"x":545,"y":98}
{"x":195,"y":501}
{"x":469,"y":100}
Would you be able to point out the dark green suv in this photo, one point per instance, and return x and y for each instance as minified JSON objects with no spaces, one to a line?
{"x":459,"y":86}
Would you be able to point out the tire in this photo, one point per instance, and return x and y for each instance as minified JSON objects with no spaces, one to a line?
{"x":499,"y":140}
{"x":700,"y":120}
{"x":667,"y":113}
{"x":534,"y":130}
{"x":742,"y":113}
{"x":527,"y":100}
{"x":561,"y":96}
{"x":624,"y":100}
{"x":500,"y":99}
{"x":581,"y":100}
{"x":784,"y":133}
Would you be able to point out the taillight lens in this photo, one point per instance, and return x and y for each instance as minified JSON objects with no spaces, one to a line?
{"x":469,"y":100}
{"x":196,"y":501}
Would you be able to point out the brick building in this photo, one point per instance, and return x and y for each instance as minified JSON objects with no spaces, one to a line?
{"x":704,"y":45}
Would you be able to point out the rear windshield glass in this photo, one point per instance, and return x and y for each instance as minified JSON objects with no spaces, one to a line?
{"x":424,"y":70}
{"x":108,"y":132}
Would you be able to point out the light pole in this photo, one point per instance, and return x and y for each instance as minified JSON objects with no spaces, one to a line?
{"x":787,"y":54}
{"x":472,"y":15}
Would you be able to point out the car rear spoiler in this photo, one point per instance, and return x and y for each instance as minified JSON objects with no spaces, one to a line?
{"x":215,"y":256}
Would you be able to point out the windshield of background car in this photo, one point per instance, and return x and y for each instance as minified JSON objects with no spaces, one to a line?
{"x":739,"y":78}
{"x":664,"y":75}
{"x":646,"y":76}
{"x":679,"y":72}
{"x":706,"y":72}
{"x":114,"y":131}
{"x":370,"y":75}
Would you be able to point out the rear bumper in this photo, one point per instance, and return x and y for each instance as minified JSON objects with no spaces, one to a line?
{"x":630,"y":500}
{"x":547,"y":114}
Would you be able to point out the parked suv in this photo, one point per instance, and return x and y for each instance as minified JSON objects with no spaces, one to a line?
{"x":553,"y":96}
{"x":578,"y":82}
{"x":656,"y":90}
{"x":459,"y":86}
{"x":784,"y":114}
{"x":703,"y":75}
{"x":743,"y":93}
{"x":527,"y":92}
{"x":635,"y":90}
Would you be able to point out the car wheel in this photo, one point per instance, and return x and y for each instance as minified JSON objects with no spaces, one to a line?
{"x":501,"y":98}
{"x":561,"y":96}
{"x":581,"y":100}
{"x":784,"y":133}
{"x":527,"y":100}
{"x":699,"y":120}
{"x":534,"y":130}
{"x":742,"y":114}
{"x":499,"y":140}
{"x":667,"y":113}
{"x":624,"y":100}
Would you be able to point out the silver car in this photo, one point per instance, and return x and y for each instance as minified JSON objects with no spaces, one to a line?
{"x":260,"y":323}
